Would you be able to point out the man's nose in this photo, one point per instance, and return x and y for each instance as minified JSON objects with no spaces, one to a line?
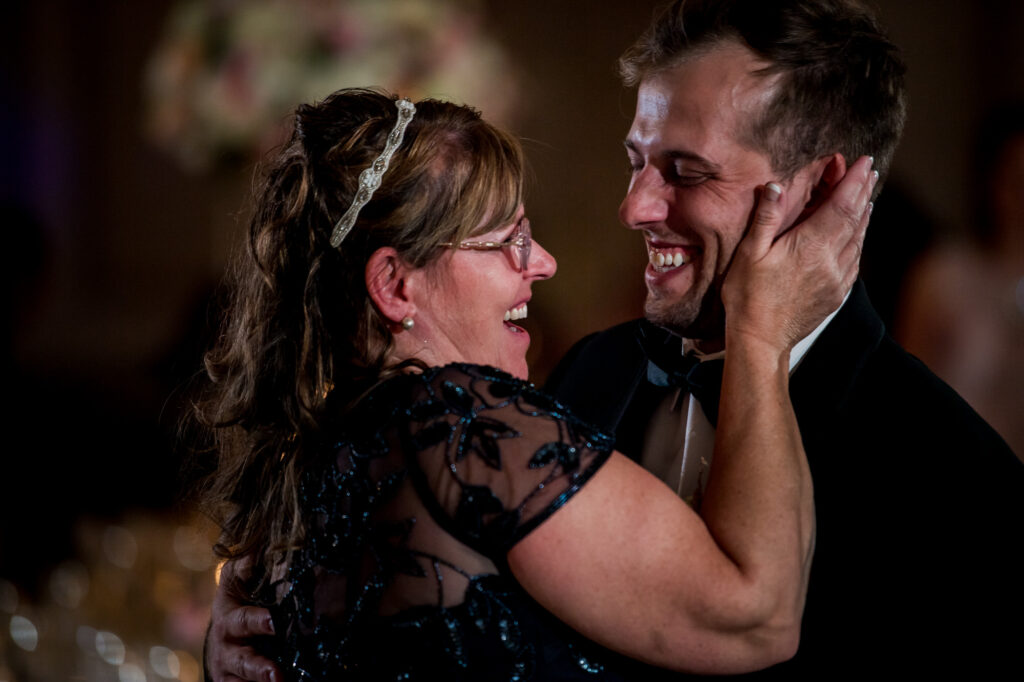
{"x":646,"y":201}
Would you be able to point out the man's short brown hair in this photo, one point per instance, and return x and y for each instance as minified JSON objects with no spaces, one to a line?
{"x":841,"y":81}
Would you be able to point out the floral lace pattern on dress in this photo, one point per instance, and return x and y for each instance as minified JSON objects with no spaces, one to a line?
{"x":402,"y":574}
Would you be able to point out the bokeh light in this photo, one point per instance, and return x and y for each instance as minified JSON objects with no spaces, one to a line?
{"x":24,"y":633}
{"x":69,"y":584}
{"x":189,"y":669}
{"x":120,"y":547}
{"x":164,"y":662}
{"x":129,"y":672}
{"x":110,"y":648}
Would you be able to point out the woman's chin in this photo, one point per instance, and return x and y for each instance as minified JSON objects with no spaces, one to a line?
{"x":514,"y":361}
{"x":517,"y":368}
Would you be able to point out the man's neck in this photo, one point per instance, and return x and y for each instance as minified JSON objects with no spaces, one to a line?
{"x":705,"y":346}
{"x":709,"y":348}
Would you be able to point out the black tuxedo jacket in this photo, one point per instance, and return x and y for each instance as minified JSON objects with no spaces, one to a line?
{"x":919,"y":503}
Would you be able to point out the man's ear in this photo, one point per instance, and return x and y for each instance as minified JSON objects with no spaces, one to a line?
{"x":826,"y":174}
{"x":387,"y":282}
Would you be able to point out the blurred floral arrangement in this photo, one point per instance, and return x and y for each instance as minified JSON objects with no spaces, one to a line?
{"x":226,"y":73}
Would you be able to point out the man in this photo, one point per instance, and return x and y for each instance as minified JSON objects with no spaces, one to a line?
{"x":920,"y":505}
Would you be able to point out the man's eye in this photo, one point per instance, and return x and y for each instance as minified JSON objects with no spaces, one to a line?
{"x":688,"y":178}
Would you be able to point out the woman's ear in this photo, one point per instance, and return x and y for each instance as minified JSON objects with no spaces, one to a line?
{"x":387,"y":282}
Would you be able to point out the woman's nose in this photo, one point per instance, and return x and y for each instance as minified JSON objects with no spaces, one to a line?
{"x":542,"y":263}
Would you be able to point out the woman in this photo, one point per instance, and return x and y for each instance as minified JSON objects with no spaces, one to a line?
{"x":410,"y":507}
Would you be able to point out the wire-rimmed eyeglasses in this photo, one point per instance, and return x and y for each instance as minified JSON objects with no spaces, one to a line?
{"x":520,"y":242}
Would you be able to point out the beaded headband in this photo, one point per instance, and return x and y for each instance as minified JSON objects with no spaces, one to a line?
{"x":369,"y":179}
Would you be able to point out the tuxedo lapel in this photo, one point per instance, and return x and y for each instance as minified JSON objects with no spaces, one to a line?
{"x":598,"y":390}
{"x":825,"y":378}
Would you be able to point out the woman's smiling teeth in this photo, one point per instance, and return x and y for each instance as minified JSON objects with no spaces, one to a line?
{"x":664,"y":260}
{"x":517,"y":313}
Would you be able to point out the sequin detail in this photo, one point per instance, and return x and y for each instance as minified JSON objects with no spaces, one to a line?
{"x":409,"y":515}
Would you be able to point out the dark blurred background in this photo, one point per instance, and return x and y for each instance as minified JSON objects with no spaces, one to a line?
{"x":130,"y":133}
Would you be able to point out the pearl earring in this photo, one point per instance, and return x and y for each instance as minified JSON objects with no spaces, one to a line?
{"x":408,"y":323}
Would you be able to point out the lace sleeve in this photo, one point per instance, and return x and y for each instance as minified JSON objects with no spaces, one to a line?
{"x":492,"y":456}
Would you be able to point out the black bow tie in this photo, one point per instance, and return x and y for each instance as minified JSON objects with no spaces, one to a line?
{"x":667,"y":366}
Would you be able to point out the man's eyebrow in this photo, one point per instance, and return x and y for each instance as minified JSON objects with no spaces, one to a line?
{"x":679,"y":154}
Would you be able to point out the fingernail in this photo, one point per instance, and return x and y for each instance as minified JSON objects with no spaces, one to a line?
{"x":871,"y":207}
{"x":268,"y":623}
{"x":772,"y":192}
{"x":871,"y":159}
{"x":874,"y":174}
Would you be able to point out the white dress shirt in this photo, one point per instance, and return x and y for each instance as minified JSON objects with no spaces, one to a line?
{"x":680,"y":439}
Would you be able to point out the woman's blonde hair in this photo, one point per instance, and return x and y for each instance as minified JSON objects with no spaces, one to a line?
{"x":301,"y":339}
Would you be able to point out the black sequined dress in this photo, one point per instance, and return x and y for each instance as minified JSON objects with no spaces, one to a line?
{"x":402,"y":575}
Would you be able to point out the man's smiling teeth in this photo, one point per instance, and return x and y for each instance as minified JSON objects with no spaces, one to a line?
{"x":517,"y":313}
{"x":664,"y":260}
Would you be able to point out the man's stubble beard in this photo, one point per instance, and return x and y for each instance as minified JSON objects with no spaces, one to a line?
{"x":703,"y":322}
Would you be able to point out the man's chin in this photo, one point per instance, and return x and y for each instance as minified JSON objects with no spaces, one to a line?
{"x":678,"y":318}
{"x":704,"y":322}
